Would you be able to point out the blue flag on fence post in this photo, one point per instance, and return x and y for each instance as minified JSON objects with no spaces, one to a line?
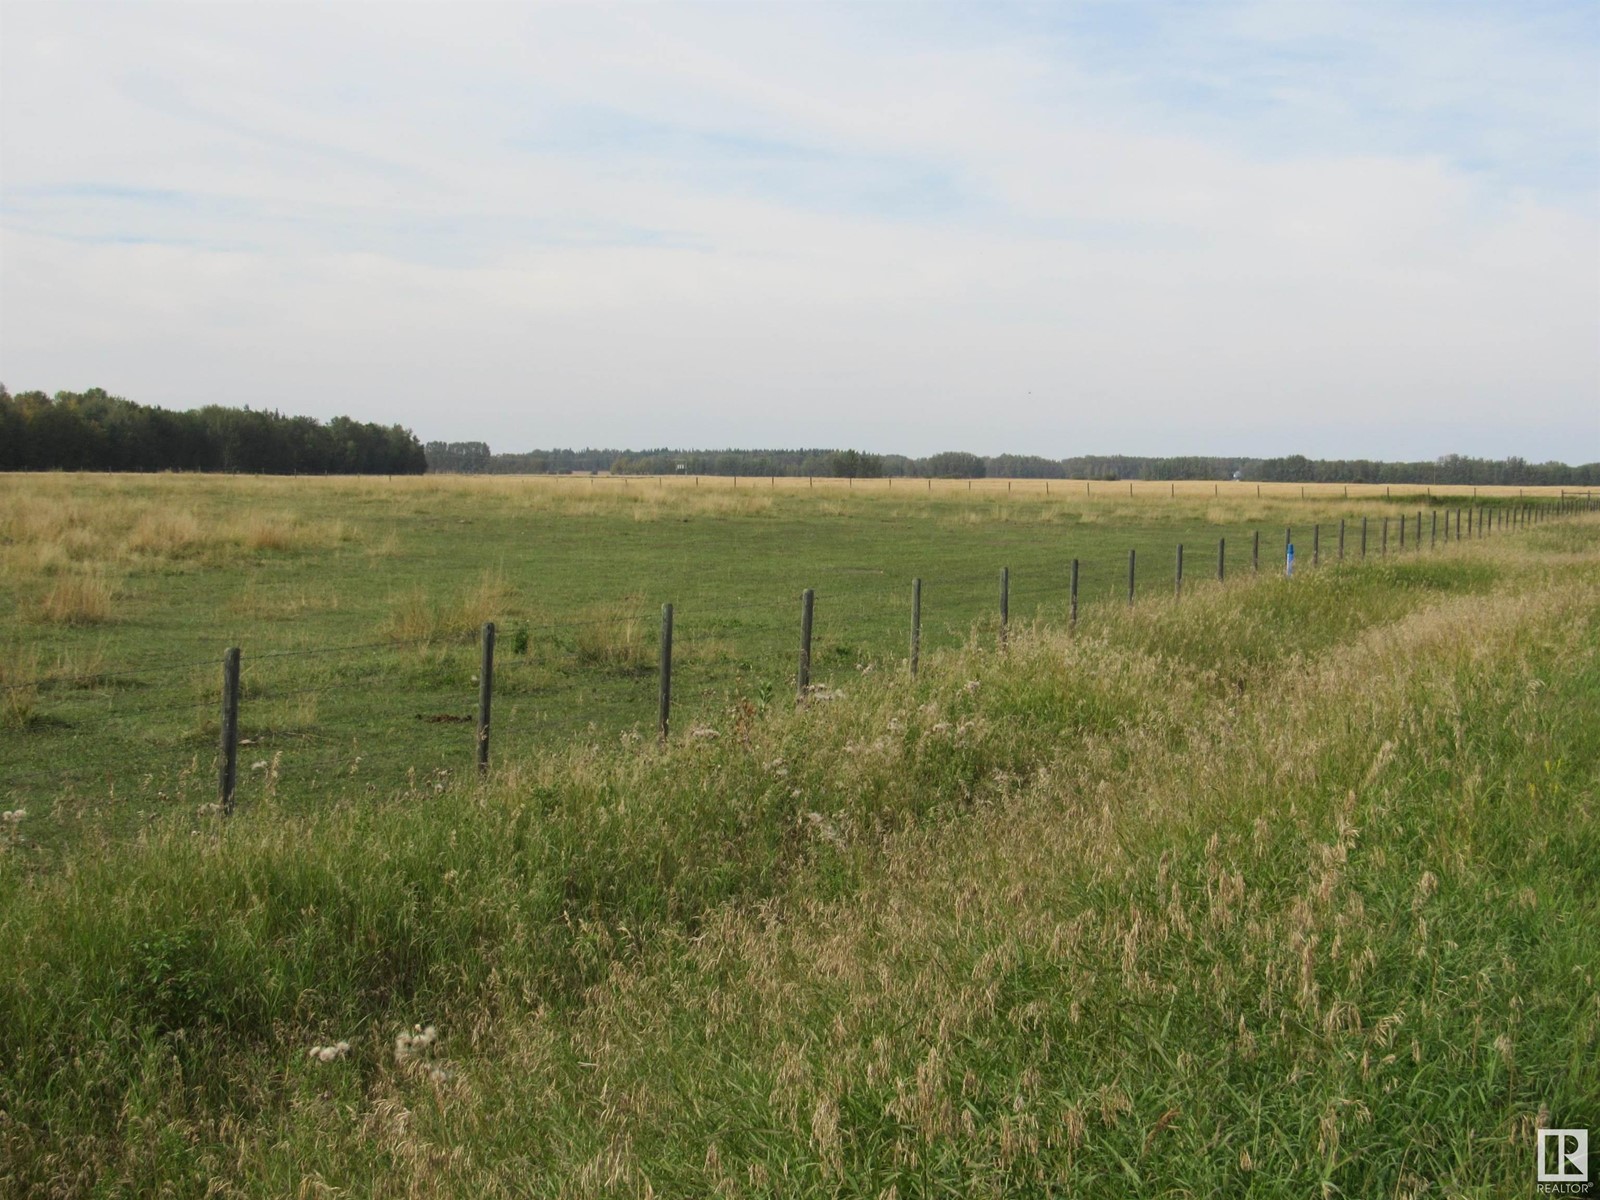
{"x":1288,"y":565}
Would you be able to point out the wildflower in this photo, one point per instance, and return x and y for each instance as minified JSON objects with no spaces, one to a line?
{"x":329,"y":1053}
{"x":414,"y":1043}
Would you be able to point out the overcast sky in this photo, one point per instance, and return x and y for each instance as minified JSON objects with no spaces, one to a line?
{"x":1256,"y":228}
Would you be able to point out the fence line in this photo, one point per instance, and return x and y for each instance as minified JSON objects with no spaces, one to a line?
{"x":243,"y":689}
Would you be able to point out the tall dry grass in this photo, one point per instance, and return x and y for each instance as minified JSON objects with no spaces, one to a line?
{"x":419,"y":616}
{"x":77,"y":599}
{"x":615,"y":636}
{"x":49,"y":524}
{"x":19,"y":686}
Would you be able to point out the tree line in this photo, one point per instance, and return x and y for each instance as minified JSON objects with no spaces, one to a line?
{"x":1456,"y":469}
{"x":94,"y":431}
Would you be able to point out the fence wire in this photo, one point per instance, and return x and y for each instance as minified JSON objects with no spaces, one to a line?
{"x":400,"y":714}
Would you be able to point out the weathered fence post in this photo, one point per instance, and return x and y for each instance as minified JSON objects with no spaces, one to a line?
{"x":1386,"y":537}
{"x":1222,"y":558}
{"x":1341,"y":537}
{"x":1433,"y":530}
{"x":228,"y":747}
{"x":664,"y":695}
{"x":1419,"y":529}
{"x":1402,"y":535}
{"x":1131,"y":554}
{"x":1177,"y":586}
{"x":916,"y":625}
{"x":1363,"y":537}
{"x":1005,"y":603}
{"x":1255,"y":551}
{"x":1316,"y":544}
{"x":803,"y":676}
{"x":1073,"y":618}
{"x":485,"y":697}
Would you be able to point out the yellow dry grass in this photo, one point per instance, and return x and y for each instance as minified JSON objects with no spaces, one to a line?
{"x":76,"y":599}
{"x":417,"y":616}
{"x":50,"y":523}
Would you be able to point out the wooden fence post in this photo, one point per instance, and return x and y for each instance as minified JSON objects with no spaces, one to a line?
{"x":1222,"y":558}
{"x":1005,"y":603}
{"x":1316,"y":543}
{"x":803,"y":677}
{"x":1433,"y":530}
{"x":916,"y":625}
{"x":1386,"y":537}
{"x":664,"y":694}
{"x":1402,"y":535}
{"x":1131,"y":554}
{"x":485,"y":697}
{"x":1341,"y":539}
{"x":1255,"y":551}
{"x":228,"y":748}
{"x":1073,"y":619}
{"x":1177,"y":585}
{"x":1363,"y":537}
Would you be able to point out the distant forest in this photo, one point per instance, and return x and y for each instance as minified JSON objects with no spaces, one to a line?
{"x":94,"y":431}
{"x":475,"y":458}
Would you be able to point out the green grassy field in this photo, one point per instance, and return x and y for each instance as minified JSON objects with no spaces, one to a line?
{"x":357,"y":605}
{"x":1285,"y":889}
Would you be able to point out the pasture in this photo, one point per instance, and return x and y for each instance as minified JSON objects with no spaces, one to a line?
{"x":357,"y":604}
{"x":1282,"y":888}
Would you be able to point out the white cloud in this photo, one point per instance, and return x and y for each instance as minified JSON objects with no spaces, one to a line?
{"x":794,"y":225}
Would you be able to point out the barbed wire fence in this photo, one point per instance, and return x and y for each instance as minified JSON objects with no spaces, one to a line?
{"x":160,"y":732}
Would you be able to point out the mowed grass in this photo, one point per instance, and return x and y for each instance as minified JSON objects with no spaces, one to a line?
{"x":357,"y":605}
{"x":1287,"y":889}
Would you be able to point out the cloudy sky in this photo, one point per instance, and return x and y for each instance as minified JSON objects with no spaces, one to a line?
{"x":1257,"y":227}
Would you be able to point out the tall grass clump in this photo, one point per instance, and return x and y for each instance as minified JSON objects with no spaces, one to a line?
{"x":615,"y":637}
{"x":416,"y":616}
{"x":77,"y":599}
{"x":19,"y":687}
